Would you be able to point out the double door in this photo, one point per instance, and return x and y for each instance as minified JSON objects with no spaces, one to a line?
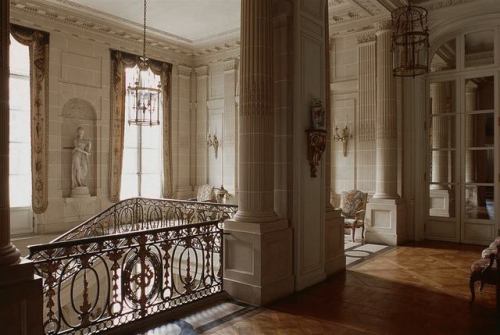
{"x":463,"y":174}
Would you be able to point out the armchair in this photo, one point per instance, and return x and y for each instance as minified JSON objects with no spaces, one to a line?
{"x":353,"y":210}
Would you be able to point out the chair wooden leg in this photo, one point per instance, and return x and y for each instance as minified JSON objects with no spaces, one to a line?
{"x":471,"y":287}
{"x":363,"y":232}
{"x":353,"y":233}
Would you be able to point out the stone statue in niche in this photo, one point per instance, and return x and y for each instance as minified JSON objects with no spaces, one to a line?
{"x":80,"y":164}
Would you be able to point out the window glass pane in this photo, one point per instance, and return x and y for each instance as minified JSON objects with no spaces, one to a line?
{"x":19,"y":127}
{"x":151,"y":161}
{"x":20,"y":194}
{"x":19,"y":93}
{"x":442,"y":200}
{"x":129,"y":186}
{"x":479,"y":94}
{"x":480,"y":202}
{"x":442,"y":96}
{"x":442,"y":133}
{"x":151,"y":186}
{"x":19,"y":58}
{"x":479,"y":48}
{"x":445,"y":57}
{"x":480,"y":130}
{"x":479,"y":166}
{"x":443,"y":166}
{"x":151,"y":137}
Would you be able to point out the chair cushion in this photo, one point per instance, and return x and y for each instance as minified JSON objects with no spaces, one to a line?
{"x":205,"y":193}
{"x":353,"y":201}
{"x":481,"y":264}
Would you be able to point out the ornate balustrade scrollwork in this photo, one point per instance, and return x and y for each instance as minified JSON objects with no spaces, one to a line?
{"x":137,"y":258}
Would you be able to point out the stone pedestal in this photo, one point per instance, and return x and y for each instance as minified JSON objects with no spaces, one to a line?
{"x":385,"y":221}
{"x":80,"y":192}
{"x":258,"y":261}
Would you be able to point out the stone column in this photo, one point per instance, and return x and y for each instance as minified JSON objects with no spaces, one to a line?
{"x":256,"y":193}
{"x":8,"y":252}
{"x":21,"y":294}
{"x":385,"y":212}
{"x":386,"y":121}
{"x":257,"y":237}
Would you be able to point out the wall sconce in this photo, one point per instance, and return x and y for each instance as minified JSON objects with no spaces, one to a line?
{"x":213,"y":141}
{"x":343,"y":137}
{"x":316,"y":136}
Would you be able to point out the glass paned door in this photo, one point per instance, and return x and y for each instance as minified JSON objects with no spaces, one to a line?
{"x":443,"y":155}
{"x":462,"y":166}
{"x":478,"y":191}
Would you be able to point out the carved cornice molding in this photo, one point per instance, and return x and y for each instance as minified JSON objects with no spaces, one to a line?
{"x":434,"y":5}
{"x":383,"y":25}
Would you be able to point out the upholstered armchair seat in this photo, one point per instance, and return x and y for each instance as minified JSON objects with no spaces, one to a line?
{"x":485,"y":269}
{"x":353,"y":210}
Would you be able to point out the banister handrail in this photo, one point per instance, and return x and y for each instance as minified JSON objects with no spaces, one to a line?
{"x":93,"y":221}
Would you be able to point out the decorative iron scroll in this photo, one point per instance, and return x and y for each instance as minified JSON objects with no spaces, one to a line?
{"x":101,"y":282}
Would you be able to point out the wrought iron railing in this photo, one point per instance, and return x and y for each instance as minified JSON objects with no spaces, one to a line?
{"x":137,"y":258}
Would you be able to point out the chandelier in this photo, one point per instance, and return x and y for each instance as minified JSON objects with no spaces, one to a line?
{"x":410,"y":41}
{"x":144,"y":97}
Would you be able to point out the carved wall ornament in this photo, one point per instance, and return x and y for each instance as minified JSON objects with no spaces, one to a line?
{"x":213,"y":142}
{"x":343,"y":137}
{"x":316,"y":135}
{"x":318,"y":114}
{"x":316,"y":145}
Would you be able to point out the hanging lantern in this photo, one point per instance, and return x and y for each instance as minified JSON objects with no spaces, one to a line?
{"x":144,"y":98}
{"x":410,"y":41}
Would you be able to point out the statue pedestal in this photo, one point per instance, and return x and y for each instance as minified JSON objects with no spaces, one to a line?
{"x":80,"y":192}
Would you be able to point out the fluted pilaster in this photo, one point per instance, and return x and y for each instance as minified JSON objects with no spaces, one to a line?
{"x":386,"y":118}
{"x":256,"y":184}
{"x":8,"y":253}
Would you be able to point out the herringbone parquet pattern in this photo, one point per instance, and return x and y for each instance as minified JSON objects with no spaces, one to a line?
{"x":418,"y":289}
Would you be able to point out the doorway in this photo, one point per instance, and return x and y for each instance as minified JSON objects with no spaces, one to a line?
{"x":461,"y":156}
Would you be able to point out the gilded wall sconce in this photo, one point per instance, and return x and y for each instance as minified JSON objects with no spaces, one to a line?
{"x":213,"y":141}
{"x":343,"y":137}
{"x":316,"y":136}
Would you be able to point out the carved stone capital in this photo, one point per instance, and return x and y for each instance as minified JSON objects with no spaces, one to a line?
{"x":230,"y":65}
{"x":366,"y":37}
{"x":383,"y":25}
{"x":184,"y":71}
{"x":201,"y":71}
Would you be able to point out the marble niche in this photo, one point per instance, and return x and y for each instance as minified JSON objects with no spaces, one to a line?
{"x":79,"y":160}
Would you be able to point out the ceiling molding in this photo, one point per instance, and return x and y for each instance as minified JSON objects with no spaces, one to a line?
{"x":104,"y":30}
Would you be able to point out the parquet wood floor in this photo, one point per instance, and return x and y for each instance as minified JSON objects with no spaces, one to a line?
{"x":414,"y":289}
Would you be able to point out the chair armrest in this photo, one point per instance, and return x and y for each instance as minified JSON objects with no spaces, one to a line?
{"x":360,"y":215}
